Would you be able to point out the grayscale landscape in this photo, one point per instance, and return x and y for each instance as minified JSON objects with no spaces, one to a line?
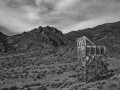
{"x":38,"y":43}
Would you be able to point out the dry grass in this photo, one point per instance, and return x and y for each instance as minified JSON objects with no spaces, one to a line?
{"x":52,"y":70}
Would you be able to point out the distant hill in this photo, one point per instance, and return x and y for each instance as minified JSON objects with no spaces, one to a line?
{"x":39,"y":39}
{"x":44,"y":38}
{"x":73,"y":35}
{"x":96,"y":31}
{"x":106,"y":34}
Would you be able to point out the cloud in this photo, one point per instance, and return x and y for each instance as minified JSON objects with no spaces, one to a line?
{"x":6,"y":31}
{"x":92,"y":23}
{"x":23,"y":15}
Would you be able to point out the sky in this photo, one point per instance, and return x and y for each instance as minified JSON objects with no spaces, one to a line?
{"x":17,"y":16}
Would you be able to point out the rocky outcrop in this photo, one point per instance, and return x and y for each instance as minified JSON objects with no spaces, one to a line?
{"x":38,"y":39}
{"x":3,"y":42}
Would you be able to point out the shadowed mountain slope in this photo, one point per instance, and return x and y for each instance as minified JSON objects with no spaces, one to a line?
{"x":39,"y":39}
{"x":46,"y":57}
{"x":106,"y":34}
{"x":97,"y":32}
{"x":44,"y":38}
{"x":3,"y":42}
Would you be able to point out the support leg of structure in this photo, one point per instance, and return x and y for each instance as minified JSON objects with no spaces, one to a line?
{"x":94,"y":69}
{"x":86,"y":75}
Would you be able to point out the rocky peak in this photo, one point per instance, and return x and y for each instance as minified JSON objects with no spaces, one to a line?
{"x":43,"y":31}
{"x":51,"y":35}
{"x":41,"y":37}
{"x":49,"y":30}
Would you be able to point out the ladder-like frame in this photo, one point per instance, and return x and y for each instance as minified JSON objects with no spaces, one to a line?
{"x":92,"y":58}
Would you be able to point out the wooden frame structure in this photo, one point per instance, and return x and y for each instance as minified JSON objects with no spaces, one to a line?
{"x":92,"y":58}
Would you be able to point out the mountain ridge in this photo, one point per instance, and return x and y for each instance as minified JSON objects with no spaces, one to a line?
{"x":91,"y":31}
{"x":38,"y":38}
{"x":106,"y":35}
{"x":49,"y":37}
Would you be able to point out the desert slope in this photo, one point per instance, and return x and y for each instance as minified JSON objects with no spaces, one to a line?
{"x":45,"y":58}
{"x":107,"y":35}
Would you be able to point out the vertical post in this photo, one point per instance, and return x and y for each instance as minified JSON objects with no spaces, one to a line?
{"x":96,"y":66}
{"x":78,"y":49}
{"x":86,"y":69}
{"x":86,"y":73}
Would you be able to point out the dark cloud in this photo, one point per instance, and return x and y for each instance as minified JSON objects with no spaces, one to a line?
{"x":19,"y":3}
{"x":62,"y":14}
{"x":46,"y":7}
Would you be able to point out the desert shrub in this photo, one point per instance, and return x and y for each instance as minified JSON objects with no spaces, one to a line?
{"x":100,"y":87}
{"x":56,"y":85}
{"x":85,"y":89}
{"x":112,"y":86}
{"x":14,"y":88}
{"x":5,"y":89}
{"x":73,"y":76}
{"x":41,"y":75}
{"x":31,"y":85}
{"x":28,"y":89}
{"x":42,"y":88}
{"x":59,"y":72}
{"x":57,"y":80}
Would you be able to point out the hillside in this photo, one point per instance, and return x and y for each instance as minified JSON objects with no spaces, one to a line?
{"x":38,"y":39}
{"x":36,"y":56}
{"x":105,"y":29}
{"x":42,"y":38}
{"x":3,"y":42}
{"x":45,"y":58}
{"x":110,"y":84}
{"x":107,"y":35}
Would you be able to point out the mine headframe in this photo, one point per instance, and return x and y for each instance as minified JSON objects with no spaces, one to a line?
{"x":91,"y":57}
